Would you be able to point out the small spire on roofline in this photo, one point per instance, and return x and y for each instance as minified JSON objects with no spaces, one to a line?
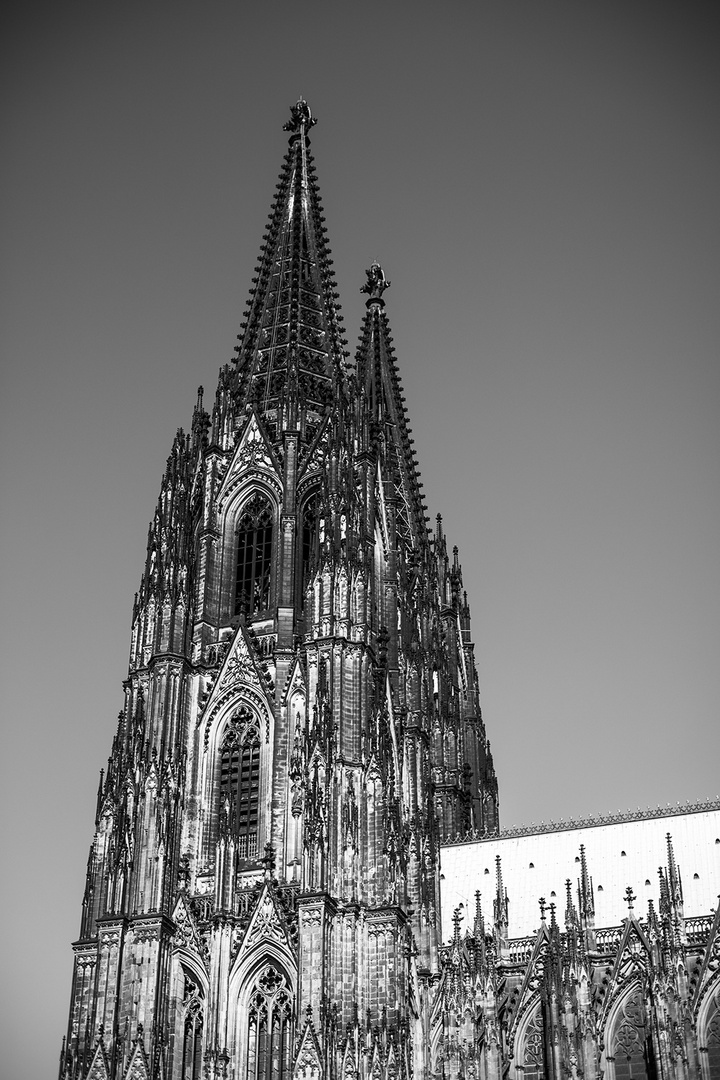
{"x":375,"y":285}
{"x":300,"y":117}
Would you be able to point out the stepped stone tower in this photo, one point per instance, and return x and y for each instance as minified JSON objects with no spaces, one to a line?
{"x":301,"y":727}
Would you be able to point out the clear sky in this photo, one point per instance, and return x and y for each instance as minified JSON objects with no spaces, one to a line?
{"x":540,"y":183}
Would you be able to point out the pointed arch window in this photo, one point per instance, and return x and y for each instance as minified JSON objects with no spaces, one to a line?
{"x":630,"y":1042}
{"x":192,"y":1031}
{"x":712,"y":1039}
{"x":254,"y":556}
{"x":270,"y":1027}
{"x":533,"y":1052}
{"x":310,"y":539}
{"x":240,"y":783}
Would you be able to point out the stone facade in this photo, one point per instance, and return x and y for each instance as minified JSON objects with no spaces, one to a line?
{"x":301,"y":733}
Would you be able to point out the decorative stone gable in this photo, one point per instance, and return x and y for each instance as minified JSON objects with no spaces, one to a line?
{"x":138,"y":1067}
{"x":99,"y":1068}
{"x":243,"y":670}
{"x":308,"y":1062}
{"x":186,"y":931}
{"x":253,"y":458}
{"x":266,"y":926}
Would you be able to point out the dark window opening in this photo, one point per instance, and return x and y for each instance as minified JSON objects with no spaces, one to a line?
{"x":192,"y":1048}
{"x":192,"y":1031}
{"x":240,"y":783}
{"x":310,"y":535}
{"x":254,"y":556}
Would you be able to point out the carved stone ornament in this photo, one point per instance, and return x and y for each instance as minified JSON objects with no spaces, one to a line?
{"x":252,"y":454}
{"x":376,"y":283}
{"x":265,"y":923}
{"x":300,"y":117}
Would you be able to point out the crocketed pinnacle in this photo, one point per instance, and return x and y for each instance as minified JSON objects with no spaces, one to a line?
{"x":291,"y":360}
{"x":383,"y":416}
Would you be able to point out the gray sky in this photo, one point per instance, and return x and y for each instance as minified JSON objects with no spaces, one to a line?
{"x":540,"y":183}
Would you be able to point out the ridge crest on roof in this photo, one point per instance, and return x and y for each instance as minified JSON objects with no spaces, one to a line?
{"x":593,"y":820}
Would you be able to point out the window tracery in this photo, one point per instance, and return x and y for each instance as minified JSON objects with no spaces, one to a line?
{"x":630,"y":1041}
{"x":192,"y":1031}
{"x":310,"y":534}
{"x":240,"y":782}
{"x":712,"y":1040}
{"x":269,"y":1026}
{"x":254,"y":556}
{"x":533,"y":1054}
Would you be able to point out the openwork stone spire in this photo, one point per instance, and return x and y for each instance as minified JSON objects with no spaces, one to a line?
{"x":291,"y":355}
{"x":384,"y":415}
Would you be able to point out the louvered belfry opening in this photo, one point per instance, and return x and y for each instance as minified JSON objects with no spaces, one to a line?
{"x":254,"y":557}
{"x":240,"y":782}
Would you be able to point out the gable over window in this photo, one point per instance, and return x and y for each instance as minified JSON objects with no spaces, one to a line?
{"x":254,"y":556}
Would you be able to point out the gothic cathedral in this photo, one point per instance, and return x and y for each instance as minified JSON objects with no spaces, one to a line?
{"x":301,"y":727}
{"x":301,"y":734}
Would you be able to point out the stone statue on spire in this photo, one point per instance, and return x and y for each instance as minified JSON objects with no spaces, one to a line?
{"x":300,"y":116}
{"x":376,"y":283}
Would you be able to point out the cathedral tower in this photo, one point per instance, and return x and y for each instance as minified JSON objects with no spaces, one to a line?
{"x":301,"y":726}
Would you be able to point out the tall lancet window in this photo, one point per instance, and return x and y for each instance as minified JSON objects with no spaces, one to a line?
{"x":630,"y":1042}
{"x":533,"y":1054}
{"x":254,"y":556}
{"x":712,"y":1038}
{"x":192,"y":1031}
{"x":270,"y":1024}
{"x":310,"y":540}
{"x":240,"y":782}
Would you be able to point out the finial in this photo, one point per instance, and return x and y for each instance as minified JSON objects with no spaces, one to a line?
{"x":629,"y":897}
{"x":376,"y":283}
{"x":570,"y":913}
{"x":300,"y":117}
{"x":457,"y":919}
{"x":479,"y":927}
{"x":268,"y":861}
{"x":541,"y":902}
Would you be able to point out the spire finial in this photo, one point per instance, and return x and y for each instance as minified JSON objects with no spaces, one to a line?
{"x":300,"y":117}
{"x":376,"y":284}
{"x":629,"y":897}
{"x":457,"y":919}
